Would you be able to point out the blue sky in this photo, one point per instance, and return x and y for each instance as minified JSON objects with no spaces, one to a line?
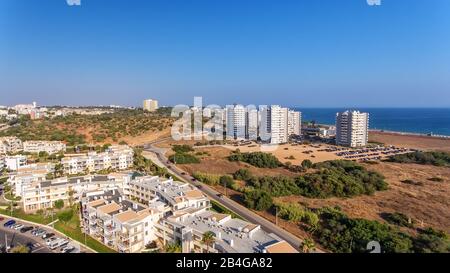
{"x":316,"y":53}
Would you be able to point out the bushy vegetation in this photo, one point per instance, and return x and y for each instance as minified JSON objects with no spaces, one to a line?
{"x":257,"y":159}
{"x":113,"y":126}
{"x":432,"y":241}
{"x":182,"y":148}
{"x":206,"y":178}
{"x":226,"y":180}
{"x":425,"y":158}
{"x":146,"y":166}
{"x":398,"y":219}
{"x":296,"y":213}
{"x":181,"y":158}
{"x":242,"y":174}
{"x":258,"y":200}
{"x":275,"y":185}
{"x":342,"y":234}
{"x":339,"y":178}
{"x":182,"y":155}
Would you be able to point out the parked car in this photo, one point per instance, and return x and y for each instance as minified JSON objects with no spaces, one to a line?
{"x":9,"y":223}
{"x":1,"y":218}
{"x":51,"y":240}
{"x":25,"y":229}
{"x":58,"y":243}
{"x":19,"y":226}
{"x":48,"y":235}
{"x":68,"y":249}
{"x":38,"y":232}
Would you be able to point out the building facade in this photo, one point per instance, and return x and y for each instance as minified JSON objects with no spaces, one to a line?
{"x":352,"y":128}
{"x":150,"y":105}
{"x":50,"y":147}
{"x":117,"y":157}
{"x":10,"y":145}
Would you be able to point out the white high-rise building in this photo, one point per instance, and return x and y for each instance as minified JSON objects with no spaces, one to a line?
{"x":251,"y":123}
{"x":274,"y":124}
{"x":352,"y":128}
{"x":294,"y":123}
{"x":236,"y":121}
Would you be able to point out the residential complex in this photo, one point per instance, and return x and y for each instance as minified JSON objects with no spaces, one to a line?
{"x":16,"y":162}
{"x":170,"y":212}
{"x":50,"y":147}
{"x":294,"y":123}
{"x":37,"y":193}
{"x":150,"y":105}
{"x":10,"y":145}
{"x":117,"y":157}
{"x":352,"y":128}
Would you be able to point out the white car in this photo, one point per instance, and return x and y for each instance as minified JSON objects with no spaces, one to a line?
{"x":51,"y":240}
{"x":19,"y":226}
{"x":68,"y":249}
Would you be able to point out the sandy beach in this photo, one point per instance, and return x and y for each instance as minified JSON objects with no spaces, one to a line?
{"x":411,"y":141}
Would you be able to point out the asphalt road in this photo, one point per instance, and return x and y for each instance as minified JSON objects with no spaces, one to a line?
{"x":224,"y":201}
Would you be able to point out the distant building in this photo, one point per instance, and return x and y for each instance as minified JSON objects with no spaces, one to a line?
{"x":251,"y":129}
{"x":117,"y":157}
{"x":352,"y":128}
{"x":10,"y":145}
{"x":235,"y":126}
{"x":274,"y":124}
{"x":50,"y":147}
{"x":150,"y":105}
{"x":294,"y":123}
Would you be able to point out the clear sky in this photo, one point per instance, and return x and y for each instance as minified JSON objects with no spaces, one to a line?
{"x":326,"y":53}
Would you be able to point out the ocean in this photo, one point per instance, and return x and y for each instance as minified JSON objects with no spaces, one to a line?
{"x":412,"y":120}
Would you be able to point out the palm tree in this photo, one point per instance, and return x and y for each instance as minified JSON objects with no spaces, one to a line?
{"x":307,"y":245}
{"x":208,"y":239}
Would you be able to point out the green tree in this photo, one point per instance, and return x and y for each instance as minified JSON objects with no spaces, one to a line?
{"x":208,"y":239}
{"x":307,"y":164}
{"x":258,"y":200}
{"x":226,"y":181}
{"x":307,"y":246}
{"x":59,"y":204}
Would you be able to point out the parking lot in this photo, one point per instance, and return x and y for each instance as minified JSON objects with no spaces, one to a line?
{"x":37,"y":239}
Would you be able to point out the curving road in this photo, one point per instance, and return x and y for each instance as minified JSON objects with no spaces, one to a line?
{"x":224,"y":201}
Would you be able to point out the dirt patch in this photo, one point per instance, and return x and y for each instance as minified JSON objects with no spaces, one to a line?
{"x":410,"y":141}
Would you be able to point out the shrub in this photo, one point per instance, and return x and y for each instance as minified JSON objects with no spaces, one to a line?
{"x":432,"y":241}
{"x":257,"y":159}
{"x":209,"y":179}
{"x":398,"y":219}
{"x":181,"y":158}
{"x":182,"y":148}
{"x":226,"y":180}
{"x":258,"y":200}
{"x":425,"y":158}
{"x":242,"y":174}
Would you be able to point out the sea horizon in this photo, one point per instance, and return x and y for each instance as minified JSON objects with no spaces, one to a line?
{"x":417,"y":120}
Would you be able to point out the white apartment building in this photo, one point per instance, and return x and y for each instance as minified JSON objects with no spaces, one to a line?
{"x":251,"y":129}
{"x":352,"y":128}
{"x":2,"y":163}
{"x":171,"y":212}
{"x":236,"y":121}
{"x":294,"y":123}
{"x":274,"y":124}
{"x":14,"y":163}
{"x":10,"y":145}
{"x":50,"y":147}
{"x":150,"y":105}
{"x":119,"y":223}
{"x":38,"y":194}
{"x":231,"y":235}
{"x":117,"y":157}
{"x":176,"y":195}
